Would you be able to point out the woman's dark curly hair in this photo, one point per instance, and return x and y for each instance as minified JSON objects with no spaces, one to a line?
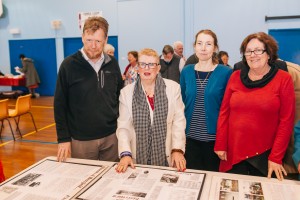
{"x":269,"y":42}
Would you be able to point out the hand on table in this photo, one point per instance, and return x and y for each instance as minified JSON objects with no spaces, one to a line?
{"x":123,"y":164}
{"x":277,"y":168}
{"x":178,"y":161}
{"x":222,"y":154}
{"x":64,"y":151}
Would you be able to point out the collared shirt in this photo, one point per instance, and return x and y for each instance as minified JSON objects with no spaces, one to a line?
{"x":184,"y":58}
{"x":97,"y":65}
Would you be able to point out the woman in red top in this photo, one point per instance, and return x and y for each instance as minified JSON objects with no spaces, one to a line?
{"x":257,"y":112}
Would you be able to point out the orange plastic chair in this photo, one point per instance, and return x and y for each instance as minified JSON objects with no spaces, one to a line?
{"x":23,"y":106}
{"x":4,"y":115}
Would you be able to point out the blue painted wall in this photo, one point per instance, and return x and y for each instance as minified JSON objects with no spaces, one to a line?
{"x":43,"y":52}
{"x":289,"y":44}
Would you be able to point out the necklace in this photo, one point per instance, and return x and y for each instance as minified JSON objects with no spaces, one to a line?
{"x":202,"y":82}
{"x":208,"y":68}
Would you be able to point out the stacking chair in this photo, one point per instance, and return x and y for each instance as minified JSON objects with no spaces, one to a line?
{"x":23,"y":106}
{"x":4,"y":115}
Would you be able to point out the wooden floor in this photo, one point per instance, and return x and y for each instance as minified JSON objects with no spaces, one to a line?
{"x":33,"y":146}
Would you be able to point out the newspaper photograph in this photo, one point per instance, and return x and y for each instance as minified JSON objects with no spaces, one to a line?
{"x":144,"y":183}
{"x":50,"y":180}
{"x":241,"y":189}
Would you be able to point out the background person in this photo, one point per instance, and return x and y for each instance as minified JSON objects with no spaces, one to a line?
{"x":171,"y":64}
{"x":202,"y":87}
{"x":86,"y":98}
{"x":151,"y":123}
{"x":193,"y":59}
{"x":31,"y":75}
{"x":178,"y":49}
{"x":109,"y":49}
{"x":130,"y":73}
{"x":257,"y":113}
{"x":223,"y":58}
{"x":288,"y":162}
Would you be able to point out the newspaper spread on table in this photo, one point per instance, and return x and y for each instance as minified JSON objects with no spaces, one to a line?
{"x":144,"y":183}
{"x":50,"y":180}
{"x":243,"y":189}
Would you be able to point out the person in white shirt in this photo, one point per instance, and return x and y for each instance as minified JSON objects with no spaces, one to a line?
{"x":178,"y":49}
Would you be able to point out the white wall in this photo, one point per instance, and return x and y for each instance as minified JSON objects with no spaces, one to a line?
{"x":146,"y":23}
{"x":233,"y":20}
{"x":283,"y":8}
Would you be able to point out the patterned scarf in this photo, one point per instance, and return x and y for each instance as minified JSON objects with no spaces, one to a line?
{"x":150,"y":139}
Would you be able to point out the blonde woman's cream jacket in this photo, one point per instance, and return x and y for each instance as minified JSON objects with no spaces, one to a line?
{"x":176,"y":122}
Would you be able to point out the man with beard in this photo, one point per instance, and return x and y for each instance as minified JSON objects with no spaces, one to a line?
{"x":86,"y":102}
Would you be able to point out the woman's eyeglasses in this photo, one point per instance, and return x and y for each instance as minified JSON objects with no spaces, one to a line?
{"x":150,"y":65}
{"x":256,"y":52}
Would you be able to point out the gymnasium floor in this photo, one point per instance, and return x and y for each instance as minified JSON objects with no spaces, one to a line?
{"x":33,"y":146}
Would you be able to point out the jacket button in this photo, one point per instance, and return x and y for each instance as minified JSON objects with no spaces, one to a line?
{"x":247,"y":156}
{"x":256,"y":153}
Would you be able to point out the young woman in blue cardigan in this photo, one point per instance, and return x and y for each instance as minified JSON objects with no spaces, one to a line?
{"x":202,"y":86}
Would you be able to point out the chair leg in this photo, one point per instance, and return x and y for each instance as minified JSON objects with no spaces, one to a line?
{"x":1,"y":127}
{"x":17,"y":124}
{"x":11,"y":129}
{"x":18,"y":120}
{"x":33,"y":121}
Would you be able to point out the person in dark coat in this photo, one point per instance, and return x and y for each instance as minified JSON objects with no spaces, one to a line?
{"x":86,"y":100}
{"x":193,"y":59}
{"x":31,"y":75}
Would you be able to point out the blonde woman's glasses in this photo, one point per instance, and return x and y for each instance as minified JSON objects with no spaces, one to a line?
{"x":150,"y":65}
